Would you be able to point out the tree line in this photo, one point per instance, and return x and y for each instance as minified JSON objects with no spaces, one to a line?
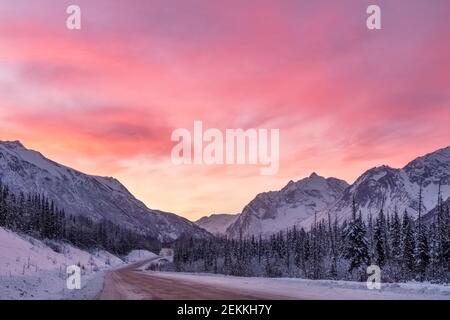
{"x":405,"y":249}
{"x":39,"y":217}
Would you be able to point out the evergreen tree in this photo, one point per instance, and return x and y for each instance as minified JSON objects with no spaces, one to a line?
{"x":379,"y":240}
{"x":422,"y":250}
{"x":395,"y":243}
{"x":408,"y":247}
{"x":356,"y":250}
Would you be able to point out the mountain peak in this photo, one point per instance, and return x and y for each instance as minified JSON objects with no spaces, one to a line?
{"x":440,"y":155}
{"x":217,"y":223}
{"x":12,"y":144}
{"x":314,"y":175}
{"x":273,"y":211}
{"x":99,"y":198}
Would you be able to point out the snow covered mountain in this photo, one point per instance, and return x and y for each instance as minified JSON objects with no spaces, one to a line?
{"x":393,"y":189}
{"x":274,"y":211}
{"x":217,"y":224}
{"x":378,"y":188}
{"x":77,"y":193}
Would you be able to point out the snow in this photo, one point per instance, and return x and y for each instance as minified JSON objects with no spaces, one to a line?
{"x":49,"y":285}
{"x":217,"y":224}
{"x":379,"y":175}
{"x":378,"y":188}
{"x":294,"y":288}
{"x":297,"y":202}
{"x":165,"y":252}
{"x":156,"y":263}
{"x":23,"y":255}
{"x":15,"y":148}
{"x":139,"y":255}
{"x":32,"y":269}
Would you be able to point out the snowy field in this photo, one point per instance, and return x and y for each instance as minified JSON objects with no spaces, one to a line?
{"x":32,"y":269}
{"x":292,"y":288}
{"x":48,"y":285}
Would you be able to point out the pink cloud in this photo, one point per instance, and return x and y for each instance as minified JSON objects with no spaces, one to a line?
{"x":344,"y":98}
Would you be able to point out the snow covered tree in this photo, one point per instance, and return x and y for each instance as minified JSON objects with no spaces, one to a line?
{"x":421,"y":253}
{"x":356,"y":250}
{"x":380,"y":240}
{"x":370,"y":238}
{"x":395,"y":244}
{"x":408,"y":247}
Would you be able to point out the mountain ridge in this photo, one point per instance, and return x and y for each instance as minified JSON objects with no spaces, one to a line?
{"x":217,"y":223}
{"x":381,"y":187}
{"x":29,"y":171}
{"x":272,"y":211}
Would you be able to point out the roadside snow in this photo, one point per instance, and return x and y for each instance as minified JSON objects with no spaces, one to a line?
{"x":139,"y":255}
{"x":23,"y":255}
{"x":294,"y":288}
{"x":33,"y":269}
{"x":157,"y":263}
{"x":49,"y":285}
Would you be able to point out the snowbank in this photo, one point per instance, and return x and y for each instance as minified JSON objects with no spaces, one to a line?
{"x":22,"y":255}
{"x":33,"y":269}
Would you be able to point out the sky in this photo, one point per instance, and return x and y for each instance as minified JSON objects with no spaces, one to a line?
{"x":105,"y":99}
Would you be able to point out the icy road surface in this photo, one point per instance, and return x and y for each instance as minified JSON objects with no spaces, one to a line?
{"x":132,"y":282}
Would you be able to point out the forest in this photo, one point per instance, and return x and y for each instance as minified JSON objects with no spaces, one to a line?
{"x":405,"y":249}
{"x":39,"y":217}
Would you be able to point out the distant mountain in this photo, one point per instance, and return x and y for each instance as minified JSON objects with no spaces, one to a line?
{"x":274,"y":211}
{"x":393,"y":189}
{"x":217,"y":224}
{"x":77,"y":193}
{"x":378,"y":188}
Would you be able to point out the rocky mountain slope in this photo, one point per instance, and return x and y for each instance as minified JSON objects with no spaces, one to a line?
{"x":217,"y":224}
{"x":378,"y":188}
{"x":274,"y":211}
{"x":432,"y":215}
{"x":393,"y":189}
{"x":77,"y":193}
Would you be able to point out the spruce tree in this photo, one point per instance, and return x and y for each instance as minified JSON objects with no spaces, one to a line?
{"x":408,"y":247}
{"x":421,"y":253}
{"x":379,"y":240}
{"x":356,"y":250}
{"x":395,"y":241}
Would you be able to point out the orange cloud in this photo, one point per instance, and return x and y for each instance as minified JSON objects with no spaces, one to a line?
{"x":106,"y":99}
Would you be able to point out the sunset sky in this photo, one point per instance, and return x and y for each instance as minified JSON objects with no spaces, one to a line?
{"x":104,"y":100}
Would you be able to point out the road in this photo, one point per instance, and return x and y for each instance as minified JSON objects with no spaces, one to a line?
{"x":130,"y":283}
